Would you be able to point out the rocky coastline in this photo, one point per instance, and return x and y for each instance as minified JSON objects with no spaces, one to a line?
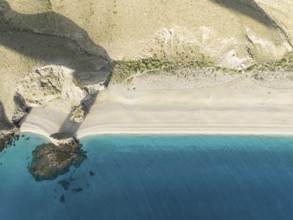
{"x":7,"y":137}
{"x":68,"y":64}
{"x":7,"y":129}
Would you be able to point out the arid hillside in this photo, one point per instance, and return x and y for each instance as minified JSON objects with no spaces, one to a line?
{"x":76,"y":34}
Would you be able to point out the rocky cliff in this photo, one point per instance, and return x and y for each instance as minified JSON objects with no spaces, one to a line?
{"x":7,"y":129}
{"x":84,"y":37}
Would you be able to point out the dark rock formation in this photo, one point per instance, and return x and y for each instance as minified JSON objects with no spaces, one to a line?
{"x":21,"y":109}
{"x":77,"y":190}
{"x":61,"y":136}
{"x":5,"y":124}
{"x":50,"y":160}
{"x":7,"y":139}
{"x":79,"y":113}
{"x":7,"y":129}
{"x":62,"y":198}
{"x":65,"y":184}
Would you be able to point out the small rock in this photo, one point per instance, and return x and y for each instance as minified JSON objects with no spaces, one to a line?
{"x":65,"y":184}
{"x":62,"y":198}
{"x":77,"y":190}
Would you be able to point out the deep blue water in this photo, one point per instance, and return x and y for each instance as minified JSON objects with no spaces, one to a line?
{"x":156,"y":177}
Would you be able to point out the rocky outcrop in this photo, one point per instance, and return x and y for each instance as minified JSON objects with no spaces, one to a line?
{"x":21,"y":109}
{"x":5,"y":123}
{"x":7,"y":130}
{"x":7,"y":137}
{"x":50,"y":160}
{"x":54,"y":85}
{"x":57,"y":84}
{"x":34,"y":40}
{"x":50,"y":83}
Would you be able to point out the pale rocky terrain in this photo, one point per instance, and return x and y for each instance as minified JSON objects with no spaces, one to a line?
{"x":62,"y":52}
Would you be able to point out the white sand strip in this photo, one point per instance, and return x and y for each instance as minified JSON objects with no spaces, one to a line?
{"x":243,"y":107}
{"x":45,"y":121}
{"x":188,"y":130}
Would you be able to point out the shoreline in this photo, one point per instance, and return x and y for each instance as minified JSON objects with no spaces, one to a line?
{"x":186,"y":130}
{"x":164,"y":131}
{"x":224,"y":130}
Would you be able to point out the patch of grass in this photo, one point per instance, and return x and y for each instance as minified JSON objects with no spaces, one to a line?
{"x":48,"y":5}
{"x":152,"y":64}
{"x":125,"y":68}
{"x":286,"y":64}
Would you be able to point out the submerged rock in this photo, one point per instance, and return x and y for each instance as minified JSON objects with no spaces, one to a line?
{"x":77,"y":190}
{"x":62,"y":198}
{"x":50,"y":160}
{"x":65,"y":184}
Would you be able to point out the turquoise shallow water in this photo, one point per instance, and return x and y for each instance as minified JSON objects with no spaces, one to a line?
{"x":156,"y":177}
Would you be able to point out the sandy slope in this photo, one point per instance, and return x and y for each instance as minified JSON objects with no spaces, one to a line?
{"x":233,"y":33}
{"x":239,"y":106}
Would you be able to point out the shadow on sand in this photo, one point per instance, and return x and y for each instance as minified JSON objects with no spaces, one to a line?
{"x":250,"y":9}
{"x":5,"y":123}
{"x":69,"y":127}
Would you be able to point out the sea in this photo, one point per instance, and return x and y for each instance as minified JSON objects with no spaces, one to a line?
{"x":143,"y":177}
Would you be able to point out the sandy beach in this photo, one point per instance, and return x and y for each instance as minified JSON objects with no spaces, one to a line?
{"x":166,"y":104}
